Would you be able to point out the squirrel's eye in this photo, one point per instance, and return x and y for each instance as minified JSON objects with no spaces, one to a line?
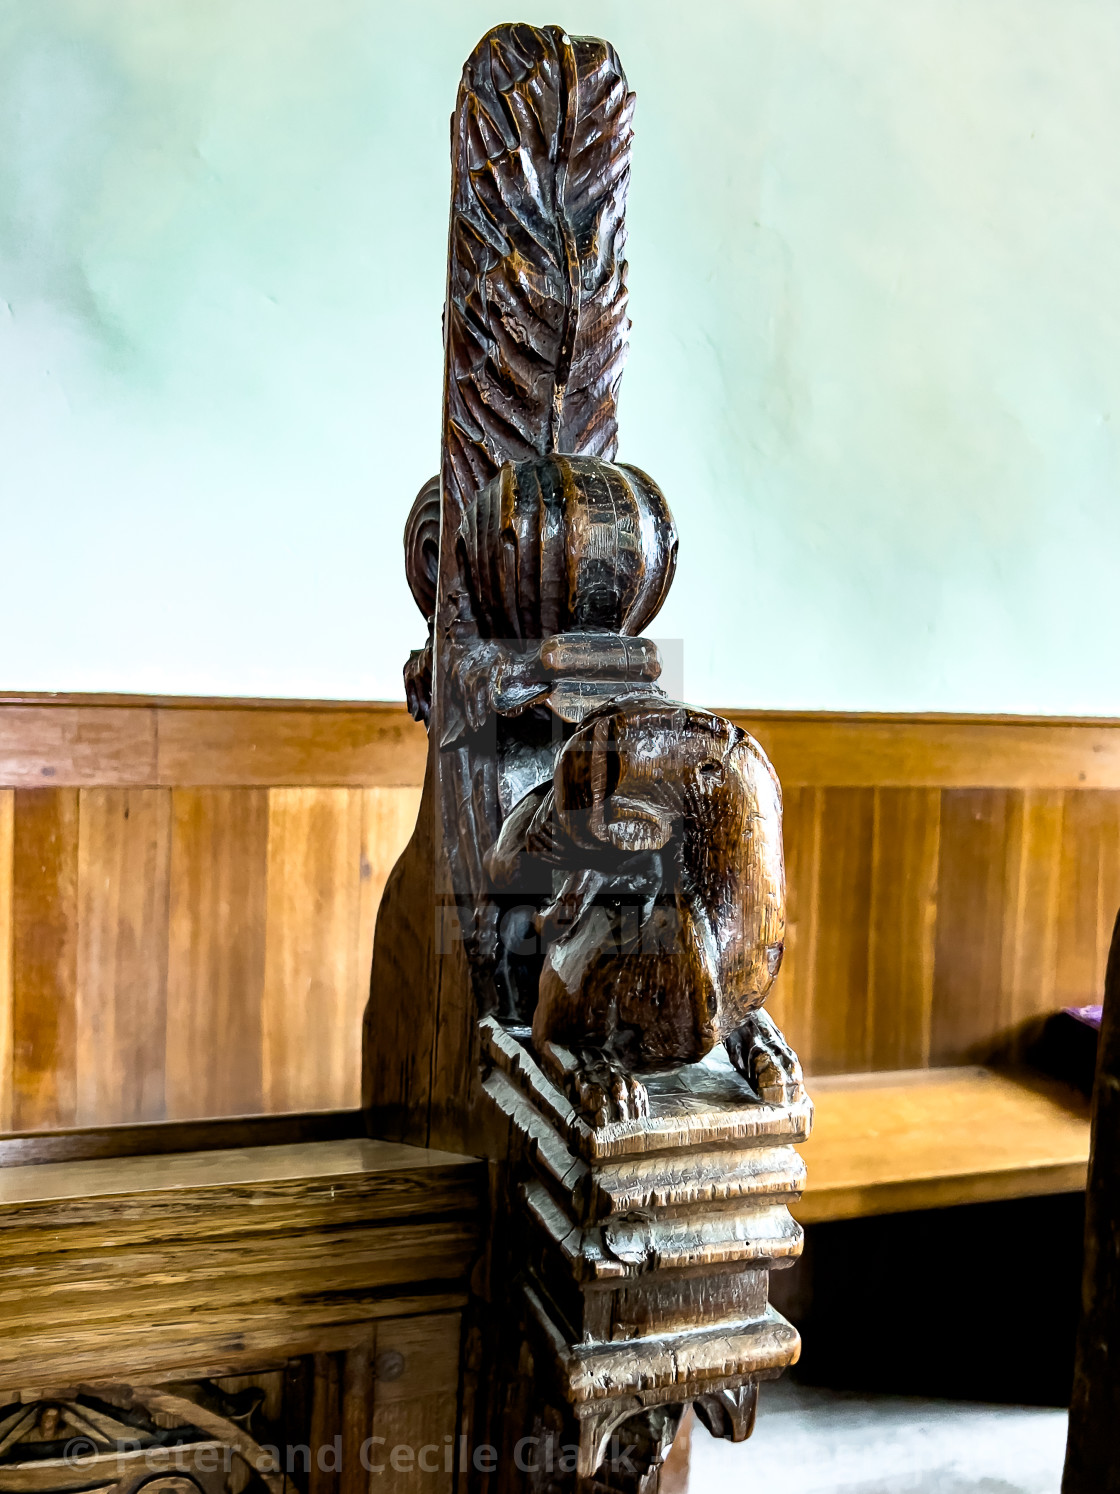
{"x":711,"y":769}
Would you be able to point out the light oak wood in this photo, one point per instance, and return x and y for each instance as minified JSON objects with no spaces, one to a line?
{"x":44,"y":956}
{"x":921,"y":1139}
{"x":373,"y":746}
{"x":315,"y":958}
{"x":47,"y":740}
{"x":149,"y":741}
{"x":851,"y":750}
{"x":941,"y":927}
{"x":152,"y":919}
{"x":124,"y":848}
{"x":218,"y":899}
{"x":905,"y":843}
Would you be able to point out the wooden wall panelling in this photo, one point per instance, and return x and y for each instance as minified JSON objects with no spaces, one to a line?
{"x":124,"y":855}
{"x":1029,"y":885}
{"x":7,"y":808}
{"x":1089,"y":894}
{"x":329,"y":854}
{"x":216,"y":956}
{"x":842,"y":905}
{"x":44,"y":956}
{"x":314,"y":744}
{"x":1030,"y":922}
{"x":76,"y":741}
{"x":389,"y":817}
{"x":314,"y":944}
{"x":972,"y":879}
{"x":122,"y":741}
{"x":904,"y":865}
{"x":937,"y":751}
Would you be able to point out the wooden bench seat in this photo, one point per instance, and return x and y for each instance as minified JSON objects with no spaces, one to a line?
{"x":929,"y":1138}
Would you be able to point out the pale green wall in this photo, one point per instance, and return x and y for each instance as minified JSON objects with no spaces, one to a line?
{"x":875,"y":269}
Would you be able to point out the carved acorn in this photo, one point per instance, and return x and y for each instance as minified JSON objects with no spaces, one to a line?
{"x":566,"y":544}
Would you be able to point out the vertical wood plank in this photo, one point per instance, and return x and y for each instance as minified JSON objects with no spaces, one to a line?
{"x":324,"y":1476}
{"x":313,"y":987}
{"x":1090,"y":893}
{"x":216,"y":951}
{"x":7,"y":811}
{"x":388,"y":820}
{"x":330,"y":852}
{"x":791,"y":1001}
{"x":840,"y":969}
{"x":968,"y":963}
{"x":357,"y":1415}
{"x":415,"y":1403}
{"x":903,"y":913}
{"x":44,"y":956}
{"x":1108,"y":896}
{"x":124,"y":852}
{"x":1030,"y":925}
{"x":1080,"y":875}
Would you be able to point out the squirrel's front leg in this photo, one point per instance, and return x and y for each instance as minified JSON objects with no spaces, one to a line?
{"x":766,"y":1061}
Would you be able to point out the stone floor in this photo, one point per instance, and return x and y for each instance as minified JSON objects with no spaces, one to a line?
{"x":824,"y":1442}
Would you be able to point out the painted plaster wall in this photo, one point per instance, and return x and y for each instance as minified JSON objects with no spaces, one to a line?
{"x":875,"y":272}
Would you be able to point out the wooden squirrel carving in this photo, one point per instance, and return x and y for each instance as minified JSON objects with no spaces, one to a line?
{"x":573,"y":953}
{"x":616,"y":856}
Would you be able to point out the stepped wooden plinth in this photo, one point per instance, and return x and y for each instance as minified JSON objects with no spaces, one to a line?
{"x":647,"y":1245}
